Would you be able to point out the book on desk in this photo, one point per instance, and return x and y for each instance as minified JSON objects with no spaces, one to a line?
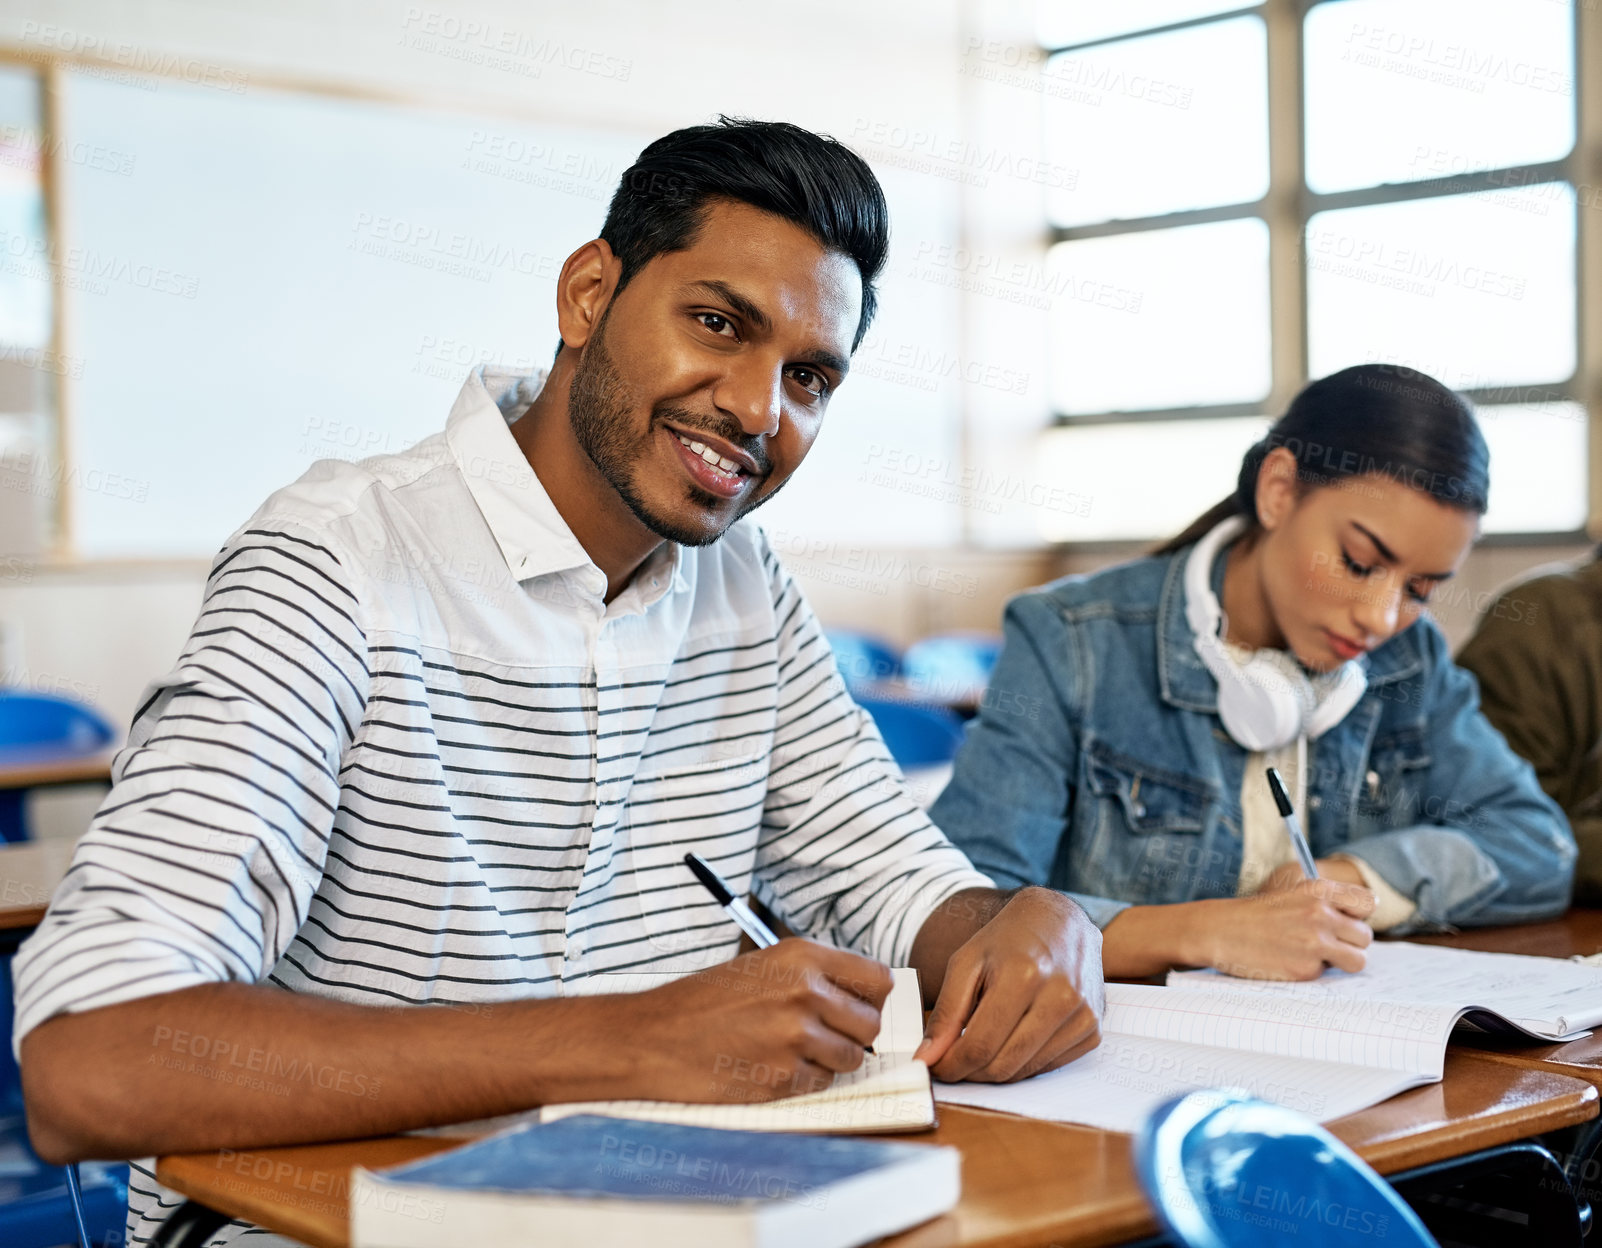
{"x":588,"y":1180}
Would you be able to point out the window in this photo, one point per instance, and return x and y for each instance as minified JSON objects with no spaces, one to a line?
{"x":28,"y":362}
{"x":1427,"y":216}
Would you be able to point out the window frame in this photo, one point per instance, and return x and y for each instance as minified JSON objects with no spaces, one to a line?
{"x":1290,"y":204}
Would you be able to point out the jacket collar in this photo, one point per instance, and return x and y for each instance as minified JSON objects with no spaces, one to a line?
{"x":531,"y":534}
{"x":1187,"y":683}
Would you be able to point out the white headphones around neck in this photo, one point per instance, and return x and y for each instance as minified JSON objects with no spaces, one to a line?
{"x":1268,"y":701}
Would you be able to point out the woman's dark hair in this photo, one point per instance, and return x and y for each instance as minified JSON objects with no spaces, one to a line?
{"x":1379,"y":419}
{"x":809,"y":179}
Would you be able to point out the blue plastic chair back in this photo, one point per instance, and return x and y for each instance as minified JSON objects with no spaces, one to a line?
{"x":38,"y":724}
{"x":952,"y":665}
{"x":916,"y":735}
{"x":862,"y":658}
{"x":1226,"y":1171}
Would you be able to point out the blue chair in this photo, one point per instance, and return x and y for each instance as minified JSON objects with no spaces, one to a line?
{"x":952,"y":666}
{"x":40,"y":728}
{"x":916,"y":734}
{"x":862,"y":658}
{"x":1226,"y":1171}
{"x":37,"y":1207}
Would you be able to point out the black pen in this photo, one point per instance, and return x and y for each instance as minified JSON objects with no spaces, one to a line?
{"x":744,"y":917}
{"x":1293,"y":826}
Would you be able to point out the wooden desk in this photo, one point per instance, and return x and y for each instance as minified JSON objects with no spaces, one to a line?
{"x":29,"y":873}
{"x":47,"y":770}
{"x":1577,"y":932}
{"x":1026,"y":1183}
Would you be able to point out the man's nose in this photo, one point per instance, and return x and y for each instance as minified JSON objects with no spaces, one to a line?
{"x":752,"y":392}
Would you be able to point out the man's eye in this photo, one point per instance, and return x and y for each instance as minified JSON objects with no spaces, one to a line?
{"x":811,"y":380}
{"x":1420,"y":596}
{"x":716,"y":322}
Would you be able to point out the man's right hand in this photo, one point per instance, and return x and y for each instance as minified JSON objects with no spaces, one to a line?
{"x":769,"y":1024}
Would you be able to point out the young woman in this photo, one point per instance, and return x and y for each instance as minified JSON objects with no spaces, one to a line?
{"x":1121,"y":752}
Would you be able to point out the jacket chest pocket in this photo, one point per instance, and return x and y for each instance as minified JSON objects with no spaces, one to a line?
{"x":1149,"y":845}
{"x":1391,"y":789}
{"x":1149,"y":799}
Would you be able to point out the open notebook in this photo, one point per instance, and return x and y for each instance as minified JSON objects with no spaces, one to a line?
{"x":888,"y":1092}
{"x":1326,"y":1048}
{"x":1545,"y":998}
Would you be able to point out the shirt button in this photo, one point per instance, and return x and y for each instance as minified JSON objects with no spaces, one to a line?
{"x":1314,"y":802}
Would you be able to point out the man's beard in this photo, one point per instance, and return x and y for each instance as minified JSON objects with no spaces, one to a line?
{"x":599,"y":406}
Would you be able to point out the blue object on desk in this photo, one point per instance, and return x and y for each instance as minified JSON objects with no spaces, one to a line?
{"x":951,"y":666}
{"x":916,"y":734}
{"x":42,"y":728}
{"x":862,"y":658}
{"x":1226,"y":1171}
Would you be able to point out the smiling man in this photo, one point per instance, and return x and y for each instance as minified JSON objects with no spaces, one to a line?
{"x":449,"y":721}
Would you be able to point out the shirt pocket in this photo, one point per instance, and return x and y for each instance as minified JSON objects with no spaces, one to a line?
{"x":714,"y":810}
{"x":1391,"y":793}
{"x":1148,"y":844}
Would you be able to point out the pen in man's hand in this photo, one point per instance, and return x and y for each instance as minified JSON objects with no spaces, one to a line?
{"x":744,"y":917}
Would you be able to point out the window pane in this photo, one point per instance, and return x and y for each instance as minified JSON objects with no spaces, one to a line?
{"x":1399,"y":90}
{"x":1141,"y":125}
{"x":1538,"y":467}
{"x":1061,"y":22}
{"x":1478,"y":290}
{"x":24,"y":264}
{"x":1143,"y":480}
{"x":1162,"y":318}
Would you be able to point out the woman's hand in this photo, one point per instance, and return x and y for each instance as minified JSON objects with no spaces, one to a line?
{"x":1290,"y":930}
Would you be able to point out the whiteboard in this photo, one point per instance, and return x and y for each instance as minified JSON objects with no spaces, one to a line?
{"x":272,"y":278}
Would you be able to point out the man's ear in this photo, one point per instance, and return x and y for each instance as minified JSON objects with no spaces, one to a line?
{"x":1277,"y":491}
{"x":584,"y":289}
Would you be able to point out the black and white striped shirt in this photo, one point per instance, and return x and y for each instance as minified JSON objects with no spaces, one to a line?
{"x":410,"y":755}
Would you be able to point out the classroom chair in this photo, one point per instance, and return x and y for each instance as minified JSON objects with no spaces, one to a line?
{"x":37,"y":728}
{"x":951,"y":667}
{"x":862,"y":658}
{"x":916,"y":734}
{"x":1226,"y":1171}
{"x":51,"y":1205}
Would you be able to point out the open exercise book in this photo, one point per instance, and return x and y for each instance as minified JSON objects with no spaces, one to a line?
{"x":1326,"y":1048}
{"x":888,"y":1092}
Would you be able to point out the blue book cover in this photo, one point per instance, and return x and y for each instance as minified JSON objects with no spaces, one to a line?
{"x":593,"y":1157}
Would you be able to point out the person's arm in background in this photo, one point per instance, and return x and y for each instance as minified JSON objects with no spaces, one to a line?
{"x":1537,"y":656}
{"x":1491,"y":847}
{"x":1009,"y":805}
{"x":848,"y":857}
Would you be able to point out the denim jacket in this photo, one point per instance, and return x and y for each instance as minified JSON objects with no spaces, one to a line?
{"x":1098,"y":765}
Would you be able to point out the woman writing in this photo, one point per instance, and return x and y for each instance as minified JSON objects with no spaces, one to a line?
{"x":1122,"y":753}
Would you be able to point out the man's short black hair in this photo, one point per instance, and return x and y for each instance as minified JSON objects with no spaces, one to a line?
{"x":810,"y":179}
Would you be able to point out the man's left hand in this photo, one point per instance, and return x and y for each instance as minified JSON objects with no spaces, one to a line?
{"x":1023,"y":994}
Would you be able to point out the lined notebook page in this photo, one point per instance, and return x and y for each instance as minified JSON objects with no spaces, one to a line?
{"x":1320,"y":1057}
{"x":1410,"y":1039}
{"x":1551,"y":997}
{"x":1120,"y":1084}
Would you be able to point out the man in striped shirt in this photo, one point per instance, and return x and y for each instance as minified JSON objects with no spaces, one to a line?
{"x":449,"y":720}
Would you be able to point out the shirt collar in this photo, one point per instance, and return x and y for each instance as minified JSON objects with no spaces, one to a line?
{"x":531,"y":534}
